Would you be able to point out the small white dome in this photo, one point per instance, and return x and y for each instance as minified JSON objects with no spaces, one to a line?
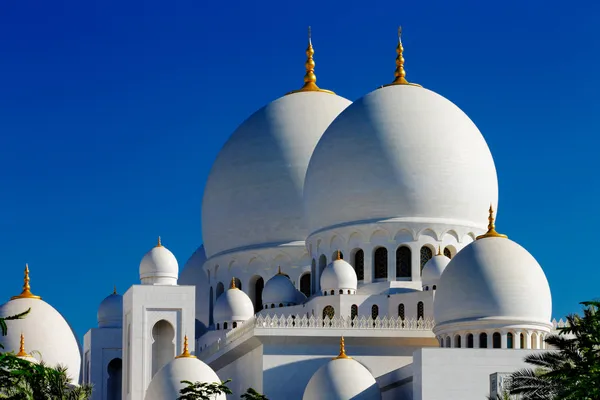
{"x":233,"y":305}
{"x":342,"y":379}
{"x":433,"y":269}
{"x":110,"y":311}
{"x":193,"y":274}
{"x":256,"y":183}
{"x":49,"y":336}
{"x":279,"y":290}
{"x":166,"y":384}
{"x":416,"y":155}
{"x":339,"y":274}
{"x":493,"y":279}
{"x":159,"y":267}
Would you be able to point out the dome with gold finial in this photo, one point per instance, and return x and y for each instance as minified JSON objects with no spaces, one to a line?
{"x":22,"y":354}
{"x":54,"y":346}
{"x":110,"y":311}
{"x":279,"y":291}
{"x":232,"y":308}
{"x":433,"y":269}
{"x":159,"y":266}
{"x":342,"y":378}
{"x":339,"y":277}
{"x":255,"y":185}
{"x":167,"y":382}
{"x":416,"y":155}
{"x":492,"y":283}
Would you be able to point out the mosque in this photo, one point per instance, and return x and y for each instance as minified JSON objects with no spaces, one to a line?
{"x":350,"y":252}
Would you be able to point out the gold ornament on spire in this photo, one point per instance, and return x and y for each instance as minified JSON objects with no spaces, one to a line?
{"x":400,"y":73}
{"x":26,"y":293}
{"x":279,"y":271}
{"x":22,"y":352}
{"x":159,"y":244}
{"x":310,"y":79}
{"x":491,"y":227}
{"x":233,"y":284}
{"x":338,"y":255}
{"x":342,"y":354}
{"x":439,"y":250}
{"x":186,"y":352}
{"x":115,"y":289}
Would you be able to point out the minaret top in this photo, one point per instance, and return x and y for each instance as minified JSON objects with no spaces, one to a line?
{"x":186,"y":352}
{"x":491,"y":227}
{"x":342,"y":354}
{"x":400,"y":73}
{"x":26,"y":293}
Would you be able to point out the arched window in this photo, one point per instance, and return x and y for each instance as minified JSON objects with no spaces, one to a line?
{"x":266,"y":306}
{"x":324,"y":293}
{"x":349,"y":291}
{"x":224,"y":326}
{"x":341,"y":291}
{"x":401,"y":311}
{"x":448,"y":343}
{"x":483,"y":340}
{"x":441,"y":340}
{"x":211,"y":302}
{"x":496,"y":340}
{"x":113,"y":383}
{"x":305,"y":284}
{"x":510,"y":341}
{"x":220,"y":289}
{"x":217,"y":326}
{"x":533,"y":341}
{"x":403,"y":257}
{"x":353,"y":311}
{"x":332,"y":292}
{"x":259,"y":285}
{"x":163,"y":348}
{"x":374,"y":311}
{"x":457,"y":340}
{"x":328,"y":314}
{"x":522,"y":340}
{"x":447,"y":252}
{"x":359,"y":264}
{"x":426,"y":288}
{"x":313,"y":273}
{"x":280,"y":304}
{"x":380,"y":262}
{"x":420,"y":310}
{"x":426,"y":255}
{"x":470,"y":341}
{"x":434,"y":287}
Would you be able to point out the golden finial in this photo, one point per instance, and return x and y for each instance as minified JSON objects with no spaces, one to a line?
{"x":310,"y":79}
{"x":159,"y":244}
{"x":342,"y":354}
{"x":26,"y":293}
{"x":439,"y":250}
{"x":400,"y":73}
{"x":186,"y":352}
{"x":233,"y":283}
{"x":115,"y":289}
{"x":279,"y":271}
{"x":491,"y":227}
{"x":338,"y":255}
{"x":22,"y":352}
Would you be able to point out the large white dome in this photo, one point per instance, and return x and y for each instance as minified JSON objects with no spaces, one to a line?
{"x":493,"y":279}
{"x":166,"y":384}
{"x":49,"y":336}
{"x":342,"y":379}
{"x":193,"y":274}
{"x":110,"y":311}
{"x":159,"y":267}
{"x":233,"y":305}
{"x":253,"y":195}
{"x":400,"y":152}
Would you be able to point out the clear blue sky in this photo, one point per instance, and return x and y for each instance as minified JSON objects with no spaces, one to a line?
{"x":111,"y":114}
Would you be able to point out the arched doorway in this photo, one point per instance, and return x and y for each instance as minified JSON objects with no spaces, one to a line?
{"x":305,"y":284}
{"x":114,"y":383}
{"x":255,"y":288}
{"x":163,"y":348}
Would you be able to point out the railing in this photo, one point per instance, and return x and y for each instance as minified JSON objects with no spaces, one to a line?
{"x":559,"y":324}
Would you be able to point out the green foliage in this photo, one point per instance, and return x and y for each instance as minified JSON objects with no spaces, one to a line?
{"x":572,"y":372}
{"x":4,"y":327}
{"x":203,"y":390}
{"x":252,"y":394}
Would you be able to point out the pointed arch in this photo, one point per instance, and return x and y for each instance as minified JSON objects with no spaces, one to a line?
{"x":163,"y":348}
{"x":358,"y":262}
{"x":426,"y":255}
{"x":380,"y":263}
{"x":305,"y":284}
{"x":403,"y":261}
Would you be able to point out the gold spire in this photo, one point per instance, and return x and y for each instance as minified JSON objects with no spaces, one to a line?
{"x":439,"y":250}
{"x":233,"y":283}
{"x":186,"y":352}
{"x":115,"y":289}
{"x":26,"y":293}
{"x":279,"y":271}
{"x":400,"y":73}
{"x":159,"y":244}
{"x":310,"y":79}
{"x":342,"y":354}
{"x":22,"y":352}
{"x":338,"y":255}
{"x":491,"y":227}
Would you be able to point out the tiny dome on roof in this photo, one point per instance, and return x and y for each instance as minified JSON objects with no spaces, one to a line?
{"x":493,"y":280}
{"x":54,"y":346}
{"x":341,"y":379}
{"x":166,"y":384}
{"x":159,"y":267}
{"x":110,"y":311}
{"x":233,"y":305}
{"x":433,"y":269}
{"x":279,"y":290}
{"x":339,"y":274}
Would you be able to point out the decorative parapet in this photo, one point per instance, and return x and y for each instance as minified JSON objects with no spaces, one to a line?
{"x":296,"y":322}
{"x":559,"y":324}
